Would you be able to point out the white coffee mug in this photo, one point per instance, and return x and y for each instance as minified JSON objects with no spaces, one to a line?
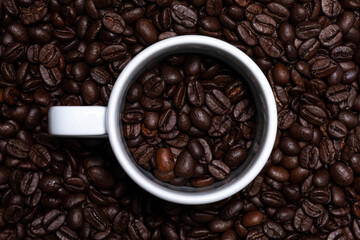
{"x":97,"y":121}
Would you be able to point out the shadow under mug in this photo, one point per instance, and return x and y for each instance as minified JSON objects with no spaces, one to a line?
{"x":97,"y":121}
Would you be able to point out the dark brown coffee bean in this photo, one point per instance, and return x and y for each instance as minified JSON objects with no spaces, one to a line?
{"x":246,"y":33}
{"x":40,"y":156}
{"x":66,"y":233}
{"x":167,"y":121}
{"x":49,"y":55}
{"x":277,"y":11}
{"x":146,"y":30}
{"x":217,"y":102}
{"x":137,"y":230}
{"x":273,"y":230}
{"x":308,"y":29}
{"x":243,"y":111}
{"x":53,"y":220}
{"x":164,"y":160}
{"x":100,"y":177}
{"x":313,"y":114}
{"x":330,"y":35}
{"x":235,"y":156}
{"x":33,"y":13}
{"x":272,"y":198}
{"x":154,"y":87}
{"x":331,"y":8}
{"x":17,"y":148}
{"x":252,"y":218}
{"x":200,"y":118}
{"x":29,"y":183}
{"x":185,"y":165}
{"x":220,"y":125}
{"x":337,"y":129}
{"x":341,"y":174}
{"x":95,"y":217}
{"x":219,"y":169}
{"x":114,"y":23}
{"x":195,"y":93}
{"x":289,"y":146}
{"x":184,"y":15}
{"x":302,"y":222}
{"x":113,"y":53}
{"x":264,"y":24}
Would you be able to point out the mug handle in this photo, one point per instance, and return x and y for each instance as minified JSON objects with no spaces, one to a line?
{"x":77,"y":121}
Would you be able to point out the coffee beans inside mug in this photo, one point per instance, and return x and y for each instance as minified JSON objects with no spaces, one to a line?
{"x":191,"y":113}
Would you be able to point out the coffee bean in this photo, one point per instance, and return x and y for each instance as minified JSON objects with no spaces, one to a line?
{"x":185,"y":165}
{"x":17,"y":148}
{"x":200,"y":118}
{"x":100,"y":177}
{"x":146,"y":31}
{"x":330,"y":35}
{"x":53,"y":220}
{"x":264,"y":24}
{"x":95,"y":217}
{"x":195,"y":93}
{"x":137,"y":230}
{"x":184,"y":15}
{"x":164,"y":160}
{"x":66,"y":233}
{"x":219,"y":169}
{"x":235,"y":156}
{"x":114,"y":23}
{"x":29,"y":183}
{"x":40,"y":156}
{"x":246,"y":33}
{"x":252,"y":218}
{"x":341,"y":174}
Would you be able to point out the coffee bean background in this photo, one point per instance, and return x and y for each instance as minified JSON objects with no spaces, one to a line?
{"x":69,"y":52}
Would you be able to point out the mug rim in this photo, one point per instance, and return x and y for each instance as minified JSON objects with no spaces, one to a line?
{"x":129,"y":166}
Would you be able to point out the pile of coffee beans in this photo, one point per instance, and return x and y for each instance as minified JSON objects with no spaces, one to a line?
{"x":70,"y":52}
{"x":190,"y":120}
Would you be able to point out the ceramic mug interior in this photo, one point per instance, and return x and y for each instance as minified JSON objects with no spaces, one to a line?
{"x":266,"y":120}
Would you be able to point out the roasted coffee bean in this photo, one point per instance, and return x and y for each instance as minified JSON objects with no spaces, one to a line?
{"x":164,"y":160}
{"x":137,"y":230}
{"x":272,"y":46}
{"x":220,"y":126}
{"x":330,"y":35}
{"x":53,"y":220}
{"x":246,"y":33}
{"x":95,"y":217}
{"x":29,"y":183}
{"x":217,"y":102}
{"x":263,"y":24}
{"x":219,"y":169}
{"x":167,"y":121}
{"x":114,"y":23}
{"x":337,"y":93}
{"x":337,"y":129}
{"x":252,"y":218}
{"x":302,"y":222}
{"x":195,"y":93}
{"x":39,"y":155}
{"x":17,"y":148}
{"x":66,"y":233}
{"x":341,"y":174}
{"x":185,"y":165}
{"x":235,"y":156}
{"x":100,"y":177}
{"x":272,"y":199}
{"x":184,"y":15}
